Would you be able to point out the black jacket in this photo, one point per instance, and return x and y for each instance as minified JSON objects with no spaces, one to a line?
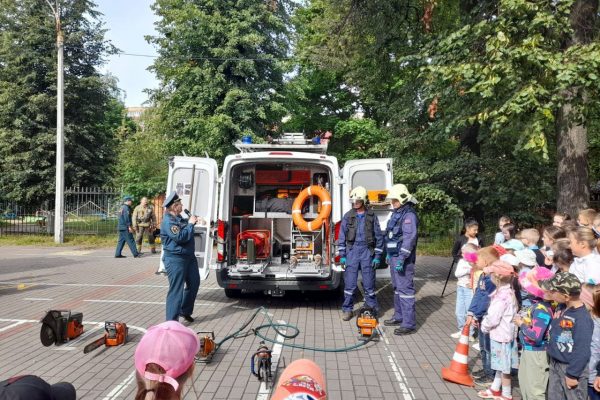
{"x":460,"y":242}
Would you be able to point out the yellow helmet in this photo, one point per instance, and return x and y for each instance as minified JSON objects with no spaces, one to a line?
{"x":358,"y":193}
{"x":399,"y":192}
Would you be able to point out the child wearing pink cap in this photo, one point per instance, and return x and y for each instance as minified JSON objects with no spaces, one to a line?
{"x":498,"y":322}
{"x":164,"y":361}
{"x":534,"y":322}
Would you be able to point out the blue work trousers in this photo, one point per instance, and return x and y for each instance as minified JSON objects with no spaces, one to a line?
{"x":404,"y":294}
{"x":181,"y":270}
{"x":359,"y":258}
{"x":126,"y":237}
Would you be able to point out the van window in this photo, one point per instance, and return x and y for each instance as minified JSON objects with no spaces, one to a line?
{"x":182,"y":184}
{"x":370,"y":179}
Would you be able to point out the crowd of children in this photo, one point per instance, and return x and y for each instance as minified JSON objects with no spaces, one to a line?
{"x":535,"y":310}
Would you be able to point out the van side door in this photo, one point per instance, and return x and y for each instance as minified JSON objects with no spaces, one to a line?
{"x":195,"y":181}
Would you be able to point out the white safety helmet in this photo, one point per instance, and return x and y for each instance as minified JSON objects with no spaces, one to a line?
{"x":358,"y":193}
{"x":400,"y":192}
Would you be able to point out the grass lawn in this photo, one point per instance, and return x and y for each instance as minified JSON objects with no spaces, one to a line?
{"x":436,"y":246}
{"x":82,"y":241}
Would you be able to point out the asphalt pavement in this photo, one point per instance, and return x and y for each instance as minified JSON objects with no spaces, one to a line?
{"x":34,"y":280}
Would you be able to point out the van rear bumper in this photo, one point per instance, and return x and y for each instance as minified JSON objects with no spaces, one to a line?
{"x":297,"y":284}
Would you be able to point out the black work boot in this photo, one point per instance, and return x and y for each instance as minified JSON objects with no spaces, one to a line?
{"x":392,"y":322}
{"x":188,"y":318}
{"x":404,"y":331}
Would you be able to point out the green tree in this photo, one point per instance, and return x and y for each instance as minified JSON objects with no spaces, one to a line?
{"x":143,"y":158}
{"x":221,"y":71}
{"x":28,"y":99}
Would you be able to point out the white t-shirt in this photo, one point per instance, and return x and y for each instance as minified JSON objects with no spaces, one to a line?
{"x":463,"y":273}
{"x":474,"y":241}
{"x":587,"y":268}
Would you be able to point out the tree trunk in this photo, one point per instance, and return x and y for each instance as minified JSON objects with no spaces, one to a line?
{"x":572,"y":174}
{"x":572,"y":184}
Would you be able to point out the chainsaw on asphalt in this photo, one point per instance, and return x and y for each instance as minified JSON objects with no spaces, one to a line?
{"x":115,"y":333}
{"x":60,"y":326}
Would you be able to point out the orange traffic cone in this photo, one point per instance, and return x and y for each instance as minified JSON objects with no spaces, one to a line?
{"x":459,"y":368}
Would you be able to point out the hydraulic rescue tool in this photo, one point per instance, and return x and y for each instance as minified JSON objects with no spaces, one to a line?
{"x":207,"y":347}
{"x":60,"y":326}
{"x":262,"y":361}
{"x":115,"y":333}
{"x":367,"y":322}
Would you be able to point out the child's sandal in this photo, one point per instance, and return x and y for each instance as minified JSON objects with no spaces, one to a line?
{"x":489,"y":393}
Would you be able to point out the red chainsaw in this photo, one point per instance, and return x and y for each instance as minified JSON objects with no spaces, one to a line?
{"x":115,"y":333}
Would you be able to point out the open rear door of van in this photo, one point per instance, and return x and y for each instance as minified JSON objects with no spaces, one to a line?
{"x":375,"y":174}
{"x":195,"y":181}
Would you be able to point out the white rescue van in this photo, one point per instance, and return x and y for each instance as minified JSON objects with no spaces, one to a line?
{"x":248,"y":211}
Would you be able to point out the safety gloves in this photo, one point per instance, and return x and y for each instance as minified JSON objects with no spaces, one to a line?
{"x":399,"y":265}
{"x":375,"y":263}
{"x":343,"y":262}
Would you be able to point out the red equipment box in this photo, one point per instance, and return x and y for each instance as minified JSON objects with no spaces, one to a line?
{"x":262,"y":243}
{"x":293,"y":177}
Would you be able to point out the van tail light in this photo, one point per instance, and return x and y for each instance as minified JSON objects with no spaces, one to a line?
{"x":221,"y":232}
{"x":336,"y":235}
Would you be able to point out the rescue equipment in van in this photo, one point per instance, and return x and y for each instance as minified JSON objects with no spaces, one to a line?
{"x":253,"y":244}
{"x":315,"y":224}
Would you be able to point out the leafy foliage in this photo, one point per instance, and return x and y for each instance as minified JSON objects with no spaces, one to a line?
{"x":28,"y":99}
{"x":221,"y":71}
{"x":143,"y":158}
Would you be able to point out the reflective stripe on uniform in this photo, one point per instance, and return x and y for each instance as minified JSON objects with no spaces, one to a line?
{"x":404,"y":250}
{"x":378,"y":250}
{"x":349,"y":293}
{"x":406,"y":297}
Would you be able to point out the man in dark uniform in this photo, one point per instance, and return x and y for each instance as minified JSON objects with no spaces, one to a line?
{"x":177,"y":237}
{"x":360,"y":245}
{"x":125,"y":229}
{"x":401,"y":246}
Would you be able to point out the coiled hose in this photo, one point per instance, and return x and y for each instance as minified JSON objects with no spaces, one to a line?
{"x":277,"y":327}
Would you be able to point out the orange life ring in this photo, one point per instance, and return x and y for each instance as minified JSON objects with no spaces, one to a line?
{"x":315,"y":224}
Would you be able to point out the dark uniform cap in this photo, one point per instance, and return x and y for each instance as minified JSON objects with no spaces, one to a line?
{"x":127,"y":198}
{"x":563,"y":282}
{"x":30,"y":387}
{"x":172,"y":198}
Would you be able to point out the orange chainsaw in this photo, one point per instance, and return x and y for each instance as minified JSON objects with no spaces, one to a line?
{"x":115,"y":333}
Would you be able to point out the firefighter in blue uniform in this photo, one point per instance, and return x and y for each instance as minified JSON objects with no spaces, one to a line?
{"x":401,"y":248}
{"x":125,"y":229}
{"x":177,"y":238}
{"x":360,"y":248}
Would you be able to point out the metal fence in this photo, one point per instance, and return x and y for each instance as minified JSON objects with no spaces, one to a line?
{"x":88,"y":211}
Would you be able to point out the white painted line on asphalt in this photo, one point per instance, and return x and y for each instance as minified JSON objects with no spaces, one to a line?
{"x":12,"y":326}
{"x":137,"y":302}
{"x":407,"y":392}
{"x":95,"y":285}
{"x":37,"y":299}
{"x":120,"y":388}
{"x":264,"y":392}
{"x":88,"y":285}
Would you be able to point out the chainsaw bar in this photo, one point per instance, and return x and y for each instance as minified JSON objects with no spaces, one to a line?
{"x":94,"y":345}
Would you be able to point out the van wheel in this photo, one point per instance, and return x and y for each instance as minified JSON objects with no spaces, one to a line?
{"x":233,"y":293}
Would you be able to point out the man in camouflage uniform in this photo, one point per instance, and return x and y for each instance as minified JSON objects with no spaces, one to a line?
{"x":144,"y":221}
